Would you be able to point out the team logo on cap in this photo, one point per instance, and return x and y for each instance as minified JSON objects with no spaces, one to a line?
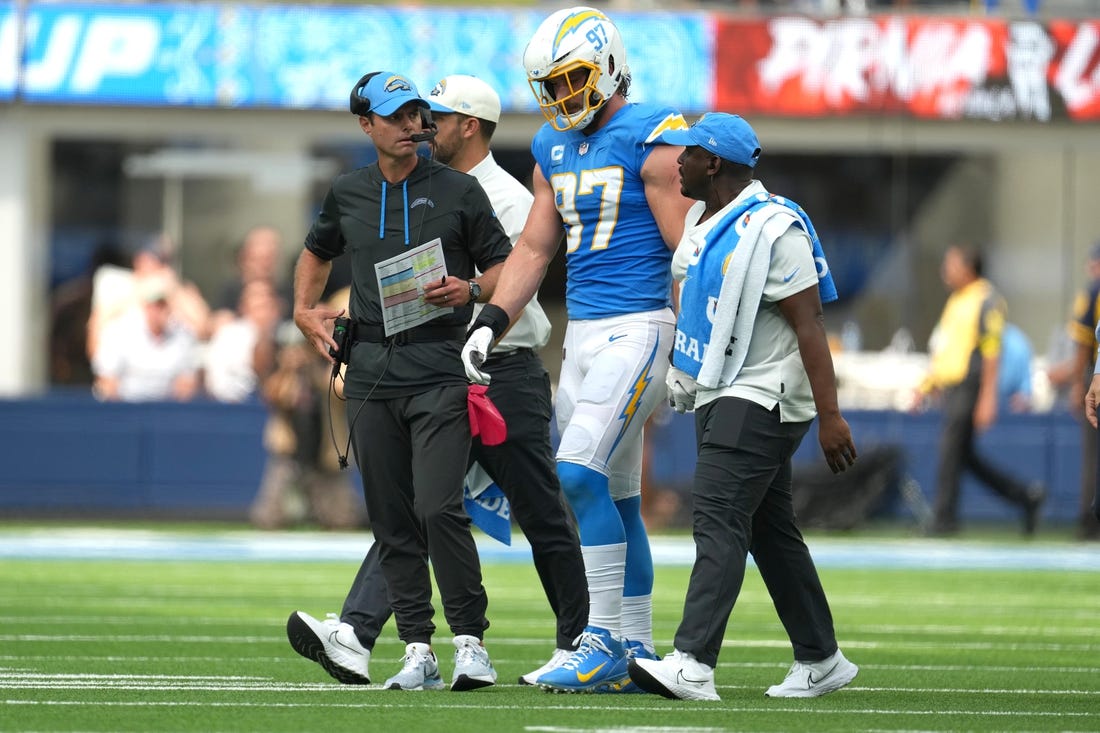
{"x":439,"y":89}
{"x":397,"y":83}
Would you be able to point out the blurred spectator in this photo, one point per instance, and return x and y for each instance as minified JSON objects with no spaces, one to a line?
{"x":70,"y":309}
{"x":259,"y":257}
{"x":115,"y":290}
{"x":146,"y":353}
{"x":241,"y":351}
{"x":302,"y":479}
{"x":965,"y":361}
{"x":1075,"y":373}
{"x":1014,"y":374}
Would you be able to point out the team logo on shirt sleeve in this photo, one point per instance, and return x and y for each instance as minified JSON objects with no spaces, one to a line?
{"x":674,"y":121}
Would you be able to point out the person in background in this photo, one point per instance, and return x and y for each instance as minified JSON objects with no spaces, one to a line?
{"x":1075,"y":374}
{"x":259,"y":257}
{"x":1014,"y":372}
{"x":406,"y":391}
{"x":116,"y":290}
{"x":146,"y":354}
{"x":70,"y":311}
{"x":302,"y":481}
{"x":965,"y":354}
{"x":466,"y":111}
{"x":752,"y":360}
{"x":598,"y":178}
{"x":241,"y":352}
{"x":1092,"y":398}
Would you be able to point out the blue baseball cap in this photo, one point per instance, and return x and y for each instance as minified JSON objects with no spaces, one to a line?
{"x":727,"y":136}
{"x":386,"y":92}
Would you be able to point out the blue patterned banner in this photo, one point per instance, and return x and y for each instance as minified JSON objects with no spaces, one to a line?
{"x":308,"y":57}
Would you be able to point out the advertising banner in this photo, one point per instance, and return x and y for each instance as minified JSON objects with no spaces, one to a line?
{"x":925,"y":67}
{"x":300,"y":57}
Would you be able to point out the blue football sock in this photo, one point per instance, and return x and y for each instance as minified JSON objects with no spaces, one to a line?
{"x":598,"y":521}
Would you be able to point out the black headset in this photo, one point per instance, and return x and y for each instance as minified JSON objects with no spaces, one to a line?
{"x":360,"y":106}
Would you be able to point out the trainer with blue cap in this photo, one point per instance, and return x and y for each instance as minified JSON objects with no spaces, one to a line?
{"x":406,"y":388}
{"x":751,"y":359}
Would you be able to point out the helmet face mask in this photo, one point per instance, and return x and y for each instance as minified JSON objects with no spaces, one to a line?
{"x":570,"y":40}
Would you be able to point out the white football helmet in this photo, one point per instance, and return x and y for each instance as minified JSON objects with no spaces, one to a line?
{"x":571,"y":39}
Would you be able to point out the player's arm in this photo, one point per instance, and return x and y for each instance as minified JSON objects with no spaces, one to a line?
{"x":488,"y":281}
{"x":661,"y":176}
{"x":525,"y":267}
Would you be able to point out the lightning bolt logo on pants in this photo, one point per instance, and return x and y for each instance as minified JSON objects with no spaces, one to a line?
{"x":637,"y":389}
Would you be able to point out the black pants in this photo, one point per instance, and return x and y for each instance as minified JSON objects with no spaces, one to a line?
{"x":1088,"y":518}
{"x":958,"y":453}
{"x":524,"y":468}
{"x":741,"y":504}
{"x":412,"y":454}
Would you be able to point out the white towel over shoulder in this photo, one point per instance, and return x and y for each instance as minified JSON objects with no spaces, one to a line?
{"x":742,"y":290}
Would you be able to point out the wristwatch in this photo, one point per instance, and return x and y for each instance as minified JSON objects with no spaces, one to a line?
{"x":475,"y":291}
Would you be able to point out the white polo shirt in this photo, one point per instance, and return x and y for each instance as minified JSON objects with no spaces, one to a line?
{"x":511,"y":200}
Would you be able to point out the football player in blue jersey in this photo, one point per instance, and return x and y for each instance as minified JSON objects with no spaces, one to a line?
{"x":600,"y":180}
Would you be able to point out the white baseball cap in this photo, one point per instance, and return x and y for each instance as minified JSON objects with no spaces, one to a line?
{"x":467,"y":95}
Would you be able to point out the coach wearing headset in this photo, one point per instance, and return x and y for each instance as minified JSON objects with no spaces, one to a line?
{"x":407,"y":391}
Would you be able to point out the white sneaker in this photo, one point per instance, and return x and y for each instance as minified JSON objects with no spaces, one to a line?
{"x":679,"y":676}
{"x":811,"y":679}
{"x":332,"y":644}
{"x":558,"y":658}
{"x":421,"y":670}
{"x":472,"y":666}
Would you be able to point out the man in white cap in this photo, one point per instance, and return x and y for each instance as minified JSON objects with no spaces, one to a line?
{"x":466,"y":111}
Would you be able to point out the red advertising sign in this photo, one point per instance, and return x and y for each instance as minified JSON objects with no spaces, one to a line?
{"x":927,"y":67}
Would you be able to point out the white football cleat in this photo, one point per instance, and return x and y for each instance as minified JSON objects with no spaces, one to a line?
{"x":332,"y":644}
{"x":679,"y":676}
{"x":421,"y":670}
{"x":556,"y":660}
{"x":472,"y":666}
{"x":813,"y":679}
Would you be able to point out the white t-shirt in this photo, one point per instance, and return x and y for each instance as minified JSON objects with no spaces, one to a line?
{"x":511,"y":201}
{"x":145,"y":367}
{"x":772,"y":372}
{"x":229,"y":372}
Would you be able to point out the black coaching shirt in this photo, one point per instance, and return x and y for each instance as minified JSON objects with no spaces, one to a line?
{"x":372,"y":220}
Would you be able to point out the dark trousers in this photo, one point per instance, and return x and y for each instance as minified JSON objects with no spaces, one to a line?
{"x":958,"y":453}
{"x":1087,"y":516}
{"x":742,"y":503}
{"x":412,"y":454}
{"x":524,"y":468}
{"x":1096,"y":487}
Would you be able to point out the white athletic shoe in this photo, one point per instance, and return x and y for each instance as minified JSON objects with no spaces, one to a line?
{"x":679,"y":676}
{"x":558,"y":658}
{"x":421,"y":670}
{"x":472,"y":666}
{"x":332,"y":644}
{"x":811,"y":679}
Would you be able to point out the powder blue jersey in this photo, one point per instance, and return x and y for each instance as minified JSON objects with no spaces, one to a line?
{"x":616,"y":261}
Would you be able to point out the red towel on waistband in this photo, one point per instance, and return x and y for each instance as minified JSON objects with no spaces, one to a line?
{"x":485,"y":420}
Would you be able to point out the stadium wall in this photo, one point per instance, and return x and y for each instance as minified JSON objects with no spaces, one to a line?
{"x":69,"y":455}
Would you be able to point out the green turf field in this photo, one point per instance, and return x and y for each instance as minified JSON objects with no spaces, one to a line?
{"x":114,"y":644}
